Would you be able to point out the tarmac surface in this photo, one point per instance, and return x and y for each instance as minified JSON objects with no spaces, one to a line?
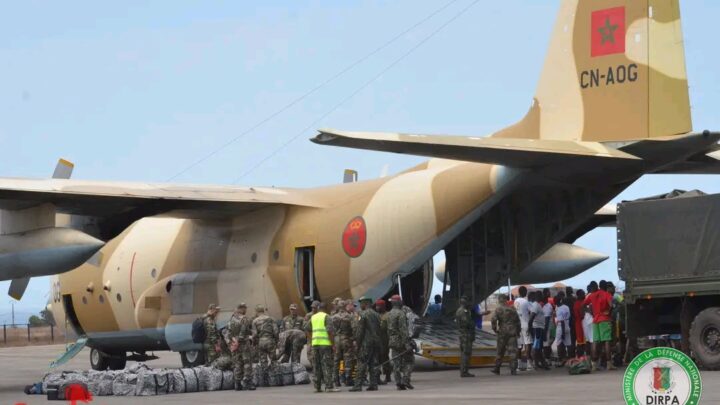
{"x":433,"y":385}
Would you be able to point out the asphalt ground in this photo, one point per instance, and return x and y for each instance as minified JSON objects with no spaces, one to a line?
{"x":434,"y":384}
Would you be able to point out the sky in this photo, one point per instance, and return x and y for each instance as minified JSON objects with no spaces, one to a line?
{"x":142,"y":91}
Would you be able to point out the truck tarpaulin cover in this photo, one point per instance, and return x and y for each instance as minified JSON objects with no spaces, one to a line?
{"x":670,"y":238}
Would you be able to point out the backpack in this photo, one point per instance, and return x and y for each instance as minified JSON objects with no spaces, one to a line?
{"x":579,"y":366}
{"x":198,"y":331}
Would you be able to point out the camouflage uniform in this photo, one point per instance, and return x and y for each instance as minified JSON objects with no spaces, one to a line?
{"x":344,"y":345}
{"x":506,"y":323}
{"x":266,"y":332}
{"x":224,"y":358}
{"x":309,"y":346}
{"x":212,"y":337}
{"x":367,"y":336}
{"x":399,"y":342}
{"x":240,"y":328}
{"x":293,"y":342}
{"x":466,"y":332}
{"x":384,"y":356}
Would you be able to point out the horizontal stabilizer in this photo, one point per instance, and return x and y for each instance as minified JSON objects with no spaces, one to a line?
{"x":520,"y":153}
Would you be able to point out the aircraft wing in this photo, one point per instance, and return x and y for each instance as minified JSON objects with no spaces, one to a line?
{"x":513,"y":152}
{"x":105,"y":199}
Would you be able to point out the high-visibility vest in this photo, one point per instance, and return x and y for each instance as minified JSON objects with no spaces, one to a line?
{"x":319,"y":332}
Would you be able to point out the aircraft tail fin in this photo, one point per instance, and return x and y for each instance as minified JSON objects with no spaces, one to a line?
{"x":614,"y":72}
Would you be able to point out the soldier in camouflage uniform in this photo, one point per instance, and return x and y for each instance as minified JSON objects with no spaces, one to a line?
{"x":344,"y":344}
{"x":292,"y":327}
{"x":506,"y":324}
{"x":212,"y":337}
{"x":367,"y":341}
{"x":313,"y":310}
{"x":238,"y":335}
{"x":224,"y":360}
{"x":465,"y":321}
{"x":335,"y":307}
{"x":384,"y":357}
{"x":265,"y":332}
{"x":400,"y":346}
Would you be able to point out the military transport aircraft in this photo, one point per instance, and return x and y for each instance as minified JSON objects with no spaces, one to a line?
{"x":611,"y":105}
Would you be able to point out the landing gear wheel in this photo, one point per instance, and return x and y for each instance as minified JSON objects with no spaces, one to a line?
{"x":98,"y":361}
{"x":192,"y":358}
{"x":117,"y":361}
{"x":705,"y":338}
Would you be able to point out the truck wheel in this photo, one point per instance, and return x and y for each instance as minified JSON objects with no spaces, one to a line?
{"x":192,"y":358}
{"x":98,"y":361}
{"x":118,"y":361}
{"x":705,"y":338}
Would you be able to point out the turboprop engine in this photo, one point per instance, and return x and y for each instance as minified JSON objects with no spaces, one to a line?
{"x":560,"y":262}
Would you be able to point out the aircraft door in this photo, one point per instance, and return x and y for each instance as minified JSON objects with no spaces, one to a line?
{"x":305,"y":274}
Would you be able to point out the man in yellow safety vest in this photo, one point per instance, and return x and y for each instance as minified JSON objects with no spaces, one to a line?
{"x":320,"y":335}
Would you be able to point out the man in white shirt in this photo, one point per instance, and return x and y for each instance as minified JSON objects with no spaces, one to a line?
{"x":537,"y":324}
{"x":522,"y":307}
{"x":547,"y":309}
{"x":562,"y":330}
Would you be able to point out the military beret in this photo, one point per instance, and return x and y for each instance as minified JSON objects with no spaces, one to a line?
{"x":365,"y":298}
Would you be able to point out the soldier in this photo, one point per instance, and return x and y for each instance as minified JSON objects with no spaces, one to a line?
{"x":344,"y":344}
{"x":506,"y":324}
{"x":335,"y":306}
{"x":224,"y":360}
{"x":292,"y":329}
{"x":399,"y":342}
{"x":367,"y":342}
{"x":239,"y":337}
{"x":465,"y":321}
{"x":320,"y":335}
{"x":265,"y":331}
{"x":384,"y":357}
{"x":212,"y":337}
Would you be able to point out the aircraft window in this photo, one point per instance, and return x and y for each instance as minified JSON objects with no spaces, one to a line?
{"x":101,"y":298}
{"x":276,"y":254}
{"x":168,"y":286}
{"x":153,"y":273}
{"x":118,"y":297}
{"x":253,"y":258}
{"x":84,"y":300}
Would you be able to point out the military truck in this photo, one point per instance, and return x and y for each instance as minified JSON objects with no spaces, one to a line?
{"x":669,"y":257}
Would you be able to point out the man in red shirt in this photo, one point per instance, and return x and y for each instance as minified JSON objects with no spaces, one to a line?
{"x":579,"y":314}
{"x":601,"y":302}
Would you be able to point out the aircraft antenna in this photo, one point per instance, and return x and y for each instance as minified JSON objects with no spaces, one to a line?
{"x":311,"y":91}
{"x":358,"y":90}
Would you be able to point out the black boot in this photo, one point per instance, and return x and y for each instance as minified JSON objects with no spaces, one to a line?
{"x":496,"y":369}
{"x":401,"y":387}
{"x":409,"y":386}
{"x":356,"y":388}
{"x":238,"y":386}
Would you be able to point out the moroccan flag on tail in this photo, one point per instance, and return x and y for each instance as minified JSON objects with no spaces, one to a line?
{"x":661,"y":378}
{"x":607,"y":31}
